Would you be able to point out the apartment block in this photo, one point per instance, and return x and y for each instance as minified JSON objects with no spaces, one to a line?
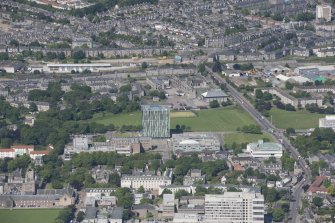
{"x":234,"y":207}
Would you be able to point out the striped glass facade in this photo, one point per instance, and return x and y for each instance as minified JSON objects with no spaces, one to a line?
{"x":156,"y":121}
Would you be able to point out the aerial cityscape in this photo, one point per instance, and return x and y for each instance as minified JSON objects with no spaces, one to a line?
{"x":181,"y":111}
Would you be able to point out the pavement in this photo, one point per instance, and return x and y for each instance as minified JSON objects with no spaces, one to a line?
{"x":279,"y":137}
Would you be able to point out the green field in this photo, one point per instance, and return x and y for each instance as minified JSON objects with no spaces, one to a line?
{"x":294,"y":119}
{"x":227,"y":119}
{"x":28,"y":215}
{"x":133,"y":118}
{"x":239,"y":138}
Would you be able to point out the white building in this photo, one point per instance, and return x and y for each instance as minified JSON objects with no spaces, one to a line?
{"x":195,"y":142}
{"x":247,"y":207}
{"x":187,"y":218}
{"x":262,"y":149}
{"x":67,"y":68}
{"x":324,"y":12}
{"x":80,"y":142}
{"x":327,"y":122}
{"x":149,"y":182}
{"x":19,"y":150}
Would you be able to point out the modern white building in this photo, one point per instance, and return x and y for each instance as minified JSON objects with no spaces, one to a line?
{"x":195,"y":142}
{"x":327,"y":122}
{"x":149,"y":182}
{"x":262,"y":149}
{"x":234,"y":207}
{"x":324,"y":12}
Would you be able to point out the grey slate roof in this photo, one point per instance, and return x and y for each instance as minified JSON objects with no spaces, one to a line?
{"x":215,"y":93}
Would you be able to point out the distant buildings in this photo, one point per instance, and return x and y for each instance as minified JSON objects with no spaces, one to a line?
{"x":327,"y":122}
{"x":234,"y":207}
{"x":82,"y":42}
{"x":195,"y":142}
{"x":147,"y":181}
{"x":324,"y":12}
{"x":194,"y":176}
{"x":156,"y":121}
{"x":46,"y":198}
{"x":262,"y":149}
{"x":19,"y":150}
{"x":121,"y":145}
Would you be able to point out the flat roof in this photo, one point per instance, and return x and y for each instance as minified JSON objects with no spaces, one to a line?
{"x":80,"y":65}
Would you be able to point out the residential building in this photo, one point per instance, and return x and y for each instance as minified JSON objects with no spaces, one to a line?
{"x":148,"y":181}
{"x":262,"y":149}
{"x":19,"y":150}
{"x":194,"y":175}
{"x":324,"y":12}
{"x":247,"y":207}
{"x":156,"y":121}
{"x":296,"y":102}
{"x":195,"y":142}
{"x":168,"y":205}
{"x":327,"y":122}
{"x":82,"y":42}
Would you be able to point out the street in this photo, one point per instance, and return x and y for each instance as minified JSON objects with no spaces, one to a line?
{"x":279,"y":137}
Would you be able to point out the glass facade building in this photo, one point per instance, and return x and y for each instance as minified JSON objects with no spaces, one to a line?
{"x":156,"y":121}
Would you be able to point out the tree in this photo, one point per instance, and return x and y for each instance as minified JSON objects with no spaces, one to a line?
{"x":124,"y":196}
{"x":181,"y":193}
{"x":202,"y":69}
{"x":78,"y":55}
{"x":290,"y":131}
{"x":33,"y":107}
{"x":144,"y":65}
{"x":287,"y":162}
{"x":149,"y":215}
{"x":14,"y":42}
{"x":331,"y":190}
{"x":214,"y":104}
{"x":271,"y":194}
{"x":4,"y":56}
{"x":141,"y":190}
{"x":80,"y":216}
{"x":317,"y":201}
{"x":114,"y":180}
{"x":237,"y":66}
{"x":277,"y":214}
{"x":289,"y":85}
{"x":259,"y":94}
{"x":217,"y":67}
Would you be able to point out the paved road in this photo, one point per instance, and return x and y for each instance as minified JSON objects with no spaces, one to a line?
{"x":279,"y":137}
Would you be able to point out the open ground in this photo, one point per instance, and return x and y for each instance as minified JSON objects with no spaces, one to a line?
{"x":28,"y":215}
{"x":300,"y":119}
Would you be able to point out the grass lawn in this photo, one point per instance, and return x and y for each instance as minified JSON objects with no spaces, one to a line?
{"x":182,"y":114}
{"x":300,"y":119}
{"x":133,"y":118}
{"x":28,"y":215}
{"x":239,"y":138}
{"x":227,"y":119}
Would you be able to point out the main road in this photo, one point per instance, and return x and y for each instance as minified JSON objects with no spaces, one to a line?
{"x":279,"y":137}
